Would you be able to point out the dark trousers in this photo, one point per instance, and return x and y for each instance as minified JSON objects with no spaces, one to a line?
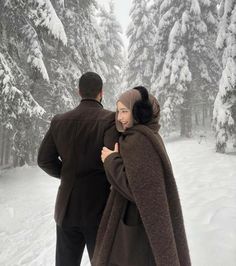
{"x":71,"y":242}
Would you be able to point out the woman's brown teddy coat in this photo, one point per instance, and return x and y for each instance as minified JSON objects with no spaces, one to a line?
{"x":151,"y":181}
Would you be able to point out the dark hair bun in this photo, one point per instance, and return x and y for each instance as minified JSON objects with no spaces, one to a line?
{"x":142,"y":109}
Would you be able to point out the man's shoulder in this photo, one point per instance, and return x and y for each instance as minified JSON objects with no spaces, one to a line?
{"x":64,"y":116}
{"x":76,"y":114}
{"x":107,"y":114}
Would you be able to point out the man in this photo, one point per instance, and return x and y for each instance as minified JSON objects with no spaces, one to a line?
{"x":71,"y":151}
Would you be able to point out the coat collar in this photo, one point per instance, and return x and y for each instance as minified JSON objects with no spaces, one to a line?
{"x":91,"y":103}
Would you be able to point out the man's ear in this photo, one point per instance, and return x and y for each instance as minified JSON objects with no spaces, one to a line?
{"x":100,"y":95}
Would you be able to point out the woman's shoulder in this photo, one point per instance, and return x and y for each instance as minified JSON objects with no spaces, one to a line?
{"x":135,"y":139}
{"x":141,"y":132}
{"x":143,"y":137}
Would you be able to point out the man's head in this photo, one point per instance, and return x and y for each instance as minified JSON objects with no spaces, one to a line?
{"x":90,"y":85}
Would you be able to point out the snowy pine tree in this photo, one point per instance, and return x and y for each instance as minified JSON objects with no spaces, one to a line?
{"x":140,"y":51}
{"x":183,"y":59}
{"x":25,"y":25}
{"x":113,"y":54}
{"x":49,"y":44}
{"x":18,"y":110}
{"x":83,"y":52}
{"x":224,"y":116}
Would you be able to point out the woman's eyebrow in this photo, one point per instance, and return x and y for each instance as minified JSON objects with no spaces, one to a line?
{"x":121,"y":109}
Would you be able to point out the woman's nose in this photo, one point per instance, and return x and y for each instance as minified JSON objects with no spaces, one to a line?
{"x":119,"y":117}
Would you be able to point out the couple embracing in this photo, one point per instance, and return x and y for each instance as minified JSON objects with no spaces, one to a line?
{"x":117,"y":192}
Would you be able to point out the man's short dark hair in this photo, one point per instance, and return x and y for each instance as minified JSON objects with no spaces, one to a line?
{"x":90,"y":84}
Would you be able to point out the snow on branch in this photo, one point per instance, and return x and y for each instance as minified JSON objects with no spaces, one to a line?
{"x":195,"y":8}
{"x":45,"y":16}
{"x":34,"y":51}
{"x":165,"y":5}
{"x":14,"y":101}
{"x":7,"y":81}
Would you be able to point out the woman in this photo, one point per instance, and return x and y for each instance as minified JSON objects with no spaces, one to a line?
{"x":142,"y":223}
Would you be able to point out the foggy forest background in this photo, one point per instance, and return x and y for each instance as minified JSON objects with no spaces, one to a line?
{"x":183,"y":51}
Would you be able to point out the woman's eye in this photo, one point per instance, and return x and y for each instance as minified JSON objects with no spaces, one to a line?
{"x":122,"y":111}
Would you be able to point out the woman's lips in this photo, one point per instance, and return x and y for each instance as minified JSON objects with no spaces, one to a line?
{"x":124,"y":124}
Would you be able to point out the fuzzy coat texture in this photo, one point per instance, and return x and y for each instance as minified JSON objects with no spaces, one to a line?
{"x":150,"y":178}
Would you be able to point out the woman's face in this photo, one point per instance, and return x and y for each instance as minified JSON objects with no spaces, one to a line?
{"x":124,"y":115}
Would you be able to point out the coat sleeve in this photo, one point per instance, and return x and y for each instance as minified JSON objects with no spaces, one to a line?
{"x":111,"y":135}
{"x":116,"y":175}
{"x":48,"y":156}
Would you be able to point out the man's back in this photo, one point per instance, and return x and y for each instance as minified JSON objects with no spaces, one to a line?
{"x":78,"y":137}
{"x":71,"y":151}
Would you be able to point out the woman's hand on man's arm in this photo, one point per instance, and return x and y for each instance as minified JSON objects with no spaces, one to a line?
{"x":106,"y":152}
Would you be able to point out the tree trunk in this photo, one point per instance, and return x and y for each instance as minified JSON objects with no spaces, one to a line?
{"x":21,"y":161}
{"x":203,"y":114}
{"x":220,"y":147}
{"x":196,"y":119}
{"x":234,"y":128}
{"x":33,"y":155}
{"x":186,"y":116}
{"x":1,"y":129}
{"x":221,"y":140}
{"x":15,"y":160}
{"x":2,"y":146}
{"x":234,"y":140}
{"x":7,"y":147}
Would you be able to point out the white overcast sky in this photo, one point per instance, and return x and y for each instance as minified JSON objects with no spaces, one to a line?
{"x":122,"y":8}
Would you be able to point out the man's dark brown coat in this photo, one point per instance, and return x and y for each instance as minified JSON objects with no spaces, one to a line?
{"x":151,"y":185}
{"x":77,"y":137}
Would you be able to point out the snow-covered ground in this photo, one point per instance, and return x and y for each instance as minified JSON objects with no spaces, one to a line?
{"x":207,"y":187}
